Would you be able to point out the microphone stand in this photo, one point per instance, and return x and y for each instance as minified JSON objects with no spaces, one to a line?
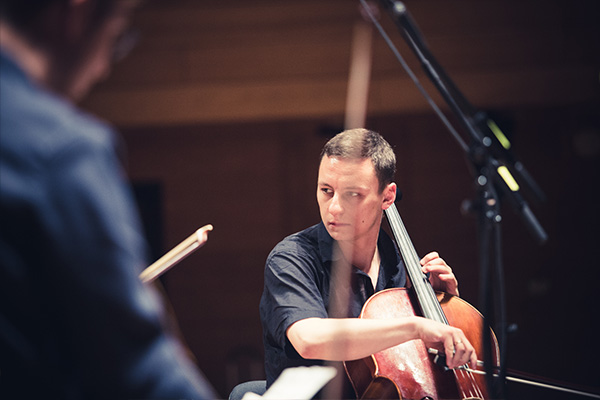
{"x":492,"y":162}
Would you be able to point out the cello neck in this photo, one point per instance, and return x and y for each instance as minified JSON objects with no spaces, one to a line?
{"x":430,"y":307}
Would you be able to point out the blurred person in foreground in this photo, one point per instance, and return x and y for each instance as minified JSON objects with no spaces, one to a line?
{"x":76,"y":322}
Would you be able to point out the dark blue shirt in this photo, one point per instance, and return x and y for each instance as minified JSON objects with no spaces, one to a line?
{"x":75,"y":320}
{"x":298,"y":276}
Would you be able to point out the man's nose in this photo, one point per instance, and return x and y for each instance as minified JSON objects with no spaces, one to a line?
{"x":335,"y":206}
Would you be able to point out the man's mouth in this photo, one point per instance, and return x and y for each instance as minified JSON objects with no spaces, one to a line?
{"x":336,"y":224}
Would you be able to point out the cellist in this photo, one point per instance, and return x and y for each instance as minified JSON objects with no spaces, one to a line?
{"x":300,"y":306}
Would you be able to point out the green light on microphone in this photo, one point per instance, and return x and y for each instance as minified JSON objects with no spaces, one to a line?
{"x":508,"y":178}
{"x":498,"y":133}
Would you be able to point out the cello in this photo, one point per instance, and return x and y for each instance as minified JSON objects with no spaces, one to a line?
{"x":411,"y":370}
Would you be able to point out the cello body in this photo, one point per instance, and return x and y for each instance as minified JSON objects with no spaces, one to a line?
{"x":408,"y":370}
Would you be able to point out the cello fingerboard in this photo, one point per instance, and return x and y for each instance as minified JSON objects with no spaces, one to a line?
{"x":430,"y":307}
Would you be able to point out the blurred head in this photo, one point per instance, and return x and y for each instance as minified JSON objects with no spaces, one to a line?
{"x":77,"y":38}
{"x":355,"y":185}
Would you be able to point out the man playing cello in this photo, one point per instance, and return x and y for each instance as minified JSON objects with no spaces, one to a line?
{"x":354,"y":187}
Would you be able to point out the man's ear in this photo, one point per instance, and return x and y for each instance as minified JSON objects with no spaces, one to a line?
{"x":389,"y":195}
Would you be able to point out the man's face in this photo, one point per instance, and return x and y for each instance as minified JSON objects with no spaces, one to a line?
{"x":349,"y":200}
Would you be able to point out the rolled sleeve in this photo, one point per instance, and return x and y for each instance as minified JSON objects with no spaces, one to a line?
{"x":292,"y":292}
{"x":295,"y":288}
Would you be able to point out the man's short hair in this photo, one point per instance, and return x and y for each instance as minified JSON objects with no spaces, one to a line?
{"x":363,"y":143}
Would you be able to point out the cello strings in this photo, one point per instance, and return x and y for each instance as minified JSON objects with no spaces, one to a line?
{"x":432,"y":308}
{"x":474,"y":390}
{"x":428,"y":300}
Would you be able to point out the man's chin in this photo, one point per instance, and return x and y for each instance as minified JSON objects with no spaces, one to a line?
{"x":340,"y":233}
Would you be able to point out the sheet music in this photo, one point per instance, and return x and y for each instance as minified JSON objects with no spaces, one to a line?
{"x":299,"y":383}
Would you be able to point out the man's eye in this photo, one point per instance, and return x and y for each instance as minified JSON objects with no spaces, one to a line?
{"x":326,"y":190}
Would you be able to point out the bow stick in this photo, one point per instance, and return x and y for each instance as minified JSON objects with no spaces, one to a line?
{"x":178,"y":253}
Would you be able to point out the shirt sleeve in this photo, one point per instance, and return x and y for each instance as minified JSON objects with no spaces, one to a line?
{"x":291,"y":291}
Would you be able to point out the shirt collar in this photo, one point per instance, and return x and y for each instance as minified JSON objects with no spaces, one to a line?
{"x":325,"y":244}
{"x":384,"y":244}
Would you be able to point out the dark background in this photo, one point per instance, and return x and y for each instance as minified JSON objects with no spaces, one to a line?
{"x":225,"y":105}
